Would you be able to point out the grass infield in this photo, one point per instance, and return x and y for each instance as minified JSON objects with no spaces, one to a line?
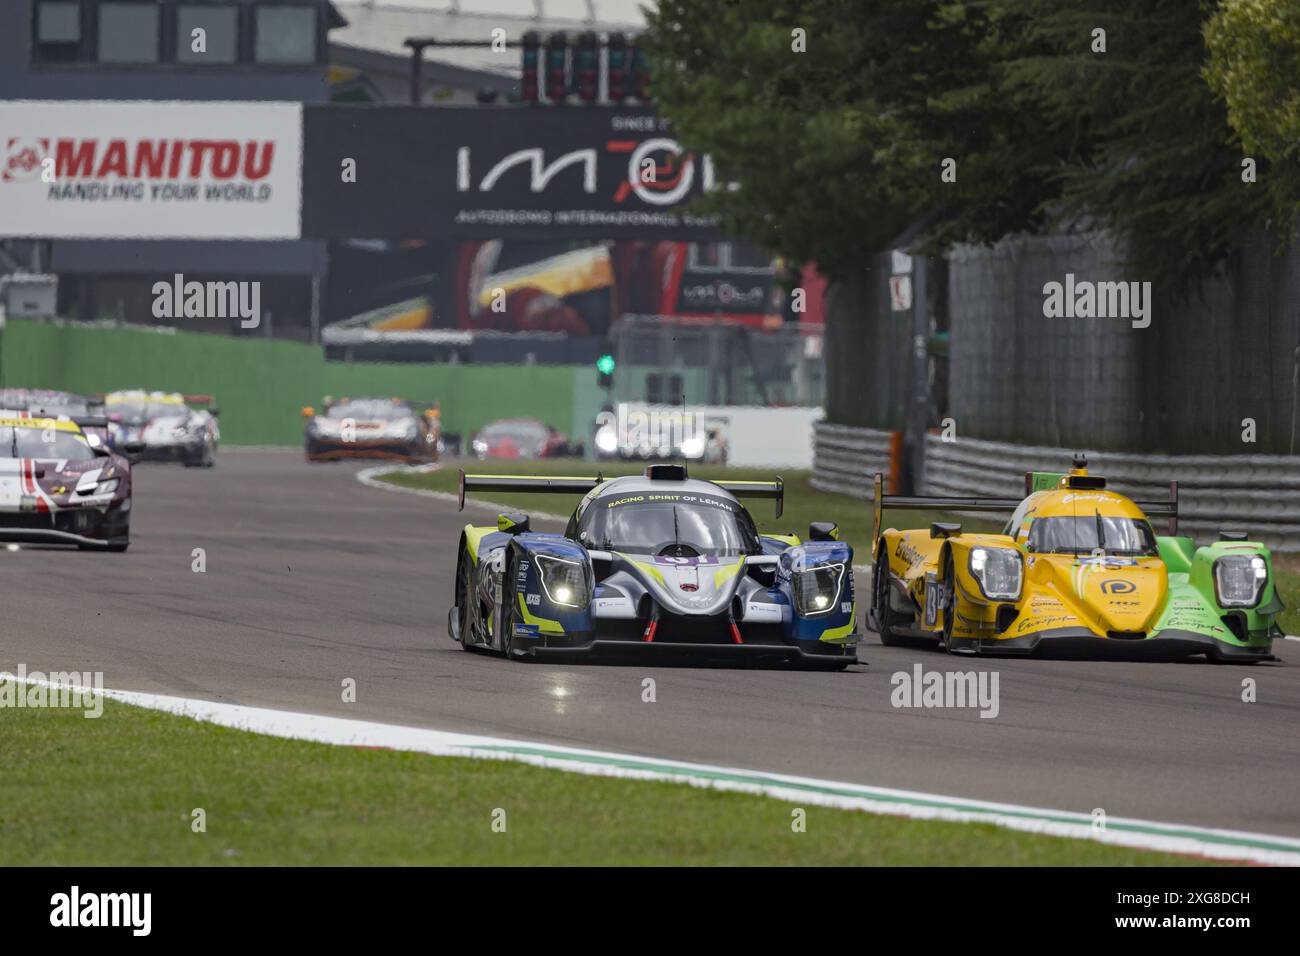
{"x":122,"y":789}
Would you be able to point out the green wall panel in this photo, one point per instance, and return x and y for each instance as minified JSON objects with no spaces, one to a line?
{"x":261,"y":385}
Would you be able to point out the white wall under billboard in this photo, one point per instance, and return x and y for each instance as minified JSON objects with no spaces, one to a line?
{"x":150,"y":170}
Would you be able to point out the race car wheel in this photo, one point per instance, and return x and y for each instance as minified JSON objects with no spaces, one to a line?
{"x":463,"y":596}
{"x":884,"y":614}
{"x":949,"y":579}
{"x":508,"y":602}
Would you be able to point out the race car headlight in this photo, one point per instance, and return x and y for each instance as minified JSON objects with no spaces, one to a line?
{"x":692,"y":446}
{"x":106,"y":487}
{"x":999,"y":572}
{"x":564,"y":581}
{"x":1239,"y":580}
{"x":607,"y":440}
{"x":816,"y":590}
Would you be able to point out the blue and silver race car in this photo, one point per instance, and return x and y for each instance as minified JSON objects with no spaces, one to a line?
{"x":657,"y":565}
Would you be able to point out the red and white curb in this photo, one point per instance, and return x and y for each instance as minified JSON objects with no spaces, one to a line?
{"x":1120,"y":831}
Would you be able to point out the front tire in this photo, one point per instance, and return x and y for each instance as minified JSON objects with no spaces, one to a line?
{"x":463,"y":596}
{"x":884,"y":614}
{"x":508,"y":602}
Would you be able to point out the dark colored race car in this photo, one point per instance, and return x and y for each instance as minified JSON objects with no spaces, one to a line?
{"x":164,"y":426}
{"x":55,"y":487}
{"x":87,"y":412}
{"x":389,"y":428}
{"x":653,"y":566}
{"x":522,"y":438}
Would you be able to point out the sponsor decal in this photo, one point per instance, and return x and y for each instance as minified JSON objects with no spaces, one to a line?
{"x":527,"y":630}
{"x":109,"y":169}
{"x":1118,"y":586}
{"x":908,"y":554}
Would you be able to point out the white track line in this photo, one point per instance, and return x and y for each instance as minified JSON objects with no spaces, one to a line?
{"x":368,"y":477}
{"x":1141,"y":834}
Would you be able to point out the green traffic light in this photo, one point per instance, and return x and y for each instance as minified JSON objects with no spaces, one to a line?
{"x":605,"y":365}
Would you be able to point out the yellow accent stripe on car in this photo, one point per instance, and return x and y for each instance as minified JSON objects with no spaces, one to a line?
{"x":59,"y":425}
{"x":726,"y":572}
{"x":544,"y":624}
{"x":473,"y":536}
{"x":840,"y":634}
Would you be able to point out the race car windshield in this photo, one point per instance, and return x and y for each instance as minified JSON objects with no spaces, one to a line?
{"x":137,"y":413}
{"x":368,"y":411}
{"x":1083,"y":534}
{"x":44,"y":443}
{"x":705,"y":526}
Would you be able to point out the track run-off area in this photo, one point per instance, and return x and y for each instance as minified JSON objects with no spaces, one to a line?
{"x":313,"y":578}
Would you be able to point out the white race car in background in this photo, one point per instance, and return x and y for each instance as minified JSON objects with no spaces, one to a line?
{"x":164,"y":426}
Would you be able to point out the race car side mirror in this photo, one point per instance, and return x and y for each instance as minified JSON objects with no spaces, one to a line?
{"x":944,"y":529}
{"x":823,"y":531}
{"x":513,"y":522}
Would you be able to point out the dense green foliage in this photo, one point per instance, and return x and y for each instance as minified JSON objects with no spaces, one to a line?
{"x":837,"y":135}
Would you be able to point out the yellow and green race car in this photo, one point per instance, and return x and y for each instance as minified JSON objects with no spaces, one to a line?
{"x":1076,"y":568}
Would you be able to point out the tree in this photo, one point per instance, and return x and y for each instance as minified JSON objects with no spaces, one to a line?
{"x":838,"y":149}
{"x":835,"y":117}
{"x":1254,"y":66}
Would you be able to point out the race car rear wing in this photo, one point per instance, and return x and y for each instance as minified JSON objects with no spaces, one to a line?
{"x":532,"y":484}
{"x":757,"y":489}
{"x":1152,"y":509}
{"x":540,"y":484}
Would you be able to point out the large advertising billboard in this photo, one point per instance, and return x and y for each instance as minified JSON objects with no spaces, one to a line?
{"x":500,"y":173}
{"x":150,"y":170}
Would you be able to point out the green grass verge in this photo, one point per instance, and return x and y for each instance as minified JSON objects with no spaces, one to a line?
{"x":803,"y":503}
{"x":1286,"y":570}
{"x":121,"y":790}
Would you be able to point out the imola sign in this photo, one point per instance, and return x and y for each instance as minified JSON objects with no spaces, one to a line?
{"x":500,"y":172}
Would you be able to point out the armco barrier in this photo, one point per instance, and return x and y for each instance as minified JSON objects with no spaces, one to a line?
{"x":261,"y":384}
{"x":1258,"y":494}
{"x":846,"y":459}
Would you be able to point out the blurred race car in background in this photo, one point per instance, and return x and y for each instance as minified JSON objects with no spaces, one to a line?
{"x":163,"y":426}
{"x":522,"y":438}
{"x":655,"y":433}
{"x":87,"y":412}
{"x":55,"y":487}
{"x":372,"y":428}
{"x":650,"y":566}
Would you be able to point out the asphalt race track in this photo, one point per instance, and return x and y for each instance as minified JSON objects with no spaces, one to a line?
{"x":313,"y":578}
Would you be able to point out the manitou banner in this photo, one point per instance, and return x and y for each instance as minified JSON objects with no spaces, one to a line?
{"x":150,"y":170}
{"x":500,"y":172}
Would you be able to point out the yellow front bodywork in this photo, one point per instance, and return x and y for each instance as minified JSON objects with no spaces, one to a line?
{"x":1101,"y":594}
